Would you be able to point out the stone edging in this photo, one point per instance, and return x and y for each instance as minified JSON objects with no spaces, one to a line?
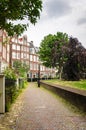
{"x":73,"y":90}
{"x":74,"y":96}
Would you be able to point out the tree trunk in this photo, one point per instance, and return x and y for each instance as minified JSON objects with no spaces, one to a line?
{"x":60,"y":73}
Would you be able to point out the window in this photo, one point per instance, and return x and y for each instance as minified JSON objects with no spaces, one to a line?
{"x":35,"y":58}
{"x":18,"y":47}
{"x":40,"y":67}
{"x":13,"y":55}
{"x":18,"y":55}
{"x":25,"y":56}
{"x":31,"y":66}
{"x":32,"y":51}
{"x":31,"y":58}
{"x":35,"y":66}
{"x":14,"y":46}
{"x":25,"y":49}
{"x":28,"y":56}
{"x":21,"y":55}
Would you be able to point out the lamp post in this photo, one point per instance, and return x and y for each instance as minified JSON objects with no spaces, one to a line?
{"x":39,"y":75}
{"x":30,"y":52}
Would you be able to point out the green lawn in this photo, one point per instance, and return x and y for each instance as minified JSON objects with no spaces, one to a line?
{"x":74,"y":84}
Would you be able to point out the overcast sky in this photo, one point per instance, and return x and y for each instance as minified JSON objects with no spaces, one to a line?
{"x":68,"y":16}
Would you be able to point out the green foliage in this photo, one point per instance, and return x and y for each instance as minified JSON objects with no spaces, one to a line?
{"x":53,"y":50}
{"x":9,"y":74}
{"x":45,"y":50}
{"x":18,"y":10}
{"x":12,"y":93}
{"x":20,"y":68}
{"x":59,"y":55}
{"x":66,"y":54}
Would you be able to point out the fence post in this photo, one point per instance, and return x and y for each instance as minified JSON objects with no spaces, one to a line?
{"x":2,"y":94}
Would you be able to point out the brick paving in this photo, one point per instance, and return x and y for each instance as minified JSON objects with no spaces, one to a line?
{"x":39,"y":109}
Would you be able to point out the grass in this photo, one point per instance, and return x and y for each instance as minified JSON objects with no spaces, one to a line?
{"x":74,"y":84}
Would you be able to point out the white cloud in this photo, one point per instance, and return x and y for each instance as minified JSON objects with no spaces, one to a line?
{"x":60,"y":15}
{"x":57,"y":8}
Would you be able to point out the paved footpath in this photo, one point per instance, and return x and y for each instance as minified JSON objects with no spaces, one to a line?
{"x":39,"y":109}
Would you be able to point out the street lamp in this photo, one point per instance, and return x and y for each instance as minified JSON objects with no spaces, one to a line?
{"x":30,"y":54}
{"x":39,"y":75}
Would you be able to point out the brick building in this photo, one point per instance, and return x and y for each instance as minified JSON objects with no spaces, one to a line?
{"x":35,"y":63}
{"x":4,"y":50}
{"x":24,"y":51}
{"x":19,"y":50}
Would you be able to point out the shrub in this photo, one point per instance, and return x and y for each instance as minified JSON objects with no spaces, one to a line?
{"x":9,"y":74}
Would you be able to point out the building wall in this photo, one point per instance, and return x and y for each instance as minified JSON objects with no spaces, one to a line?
{"x":24,"y":51}
{"x":34,"y":66}
{"x":4,"y":50}
{"x":19,"y":51}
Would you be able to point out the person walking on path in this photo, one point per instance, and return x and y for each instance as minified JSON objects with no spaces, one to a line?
{"x":42,"y":110}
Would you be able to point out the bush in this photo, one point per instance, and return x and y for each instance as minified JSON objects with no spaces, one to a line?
{"x":12,"y":92}
{"x":10,"y":74}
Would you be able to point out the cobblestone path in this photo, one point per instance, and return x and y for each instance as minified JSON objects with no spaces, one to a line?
{"x":39,"y":109}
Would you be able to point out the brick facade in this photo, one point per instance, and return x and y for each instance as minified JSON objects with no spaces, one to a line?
{"x":4,"y":50}
{"x":24,"y":51}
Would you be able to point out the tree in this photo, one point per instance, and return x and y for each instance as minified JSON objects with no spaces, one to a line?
{"x":52,"y":50}
{"x":20,"y":68}
{"x":59,"y":52}
{"x":75,"y":65}
{"x":45,"y":50}
{"x":9,"y":74}
{"x":18,"y":10}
